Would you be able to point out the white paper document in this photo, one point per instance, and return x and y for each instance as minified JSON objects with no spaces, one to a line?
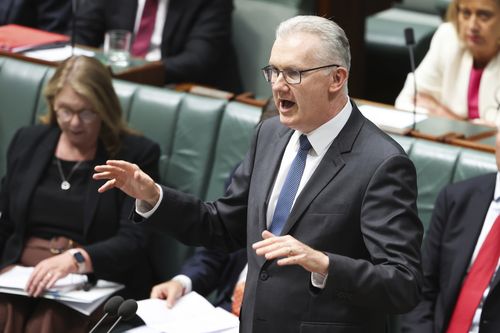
{"x":66,"y":290}
{"x":391,"y":120}
{"x":191,"y":314}
{"x":58,"y":53}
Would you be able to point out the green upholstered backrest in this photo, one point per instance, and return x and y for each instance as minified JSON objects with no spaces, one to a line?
{"x":125,"y":91}
{"x":405,"y":142}
{"x":20,"y":88}
{"x":233,"y":140}
{"x":438,"y":165}
{"x":194,"y":143}
{"x":254,"y":24}
{"x":154,"y":112}
{"x":42,"y":107}
{"x":473,"y":163}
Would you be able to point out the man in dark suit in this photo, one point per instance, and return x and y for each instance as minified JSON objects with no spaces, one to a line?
{"x":464,"y":217}
{"x":49,"y":15}
{"x":195,"y":42}
{"x":345,"y":247}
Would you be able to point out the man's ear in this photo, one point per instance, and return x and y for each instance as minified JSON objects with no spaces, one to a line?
{"x":339,"y":79}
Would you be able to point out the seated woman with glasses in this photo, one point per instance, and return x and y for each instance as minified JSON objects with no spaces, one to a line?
{"x":459,"y":77}
{"x":51,"y":215}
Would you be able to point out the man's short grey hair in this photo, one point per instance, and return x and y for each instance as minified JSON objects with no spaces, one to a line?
{"x":335,"y":46}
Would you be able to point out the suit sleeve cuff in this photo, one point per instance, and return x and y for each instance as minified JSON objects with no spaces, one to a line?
{"x":318,"y":280}
{"x":145,"y":210}
{"x":186,"y":283}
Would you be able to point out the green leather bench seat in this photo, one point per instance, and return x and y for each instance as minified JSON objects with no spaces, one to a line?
{"x":439,"y":164}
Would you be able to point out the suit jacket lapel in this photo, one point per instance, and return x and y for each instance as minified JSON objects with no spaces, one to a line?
{"x":328,"y":168}
{"x":472,"y":223}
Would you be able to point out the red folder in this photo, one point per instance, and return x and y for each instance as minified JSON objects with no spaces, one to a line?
{"x":17,"y":38}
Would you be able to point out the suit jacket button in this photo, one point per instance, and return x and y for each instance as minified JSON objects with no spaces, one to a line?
{"x":264,"y":276}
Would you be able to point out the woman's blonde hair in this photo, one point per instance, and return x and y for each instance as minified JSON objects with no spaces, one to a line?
{"x":91,"y":80}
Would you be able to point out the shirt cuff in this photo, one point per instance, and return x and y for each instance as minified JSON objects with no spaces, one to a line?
{"x":143,"y":209}
{"x":185,"y":281}
{"x":318,"y":280}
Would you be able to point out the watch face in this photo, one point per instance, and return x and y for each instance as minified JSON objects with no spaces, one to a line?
{"x":79,"y":257}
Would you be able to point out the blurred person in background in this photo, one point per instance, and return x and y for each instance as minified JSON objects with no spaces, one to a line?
{"x":191,"y":37}
{"x":51,"y":216}
{"x":48,"y":15}
{"x":459,"y":78}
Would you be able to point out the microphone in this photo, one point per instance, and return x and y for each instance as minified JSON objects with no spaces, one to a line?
{"x":74,"y":8}
{"x":410,"y":43}
{"x":126,"y":311}
{"x":110,"y":308}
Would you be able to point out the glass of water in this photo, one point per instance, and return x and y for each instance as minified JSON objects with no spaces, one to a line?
{"x":117,"y":47}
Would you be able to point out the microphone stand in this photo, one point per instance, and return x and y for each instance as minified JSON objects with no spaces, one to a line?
{"x":74,"y":7}
{"x":410,"y":42}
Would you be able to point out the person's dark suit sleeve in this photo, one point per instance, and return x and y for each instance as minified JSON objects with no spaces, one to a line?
{"x":6,"y":226}
{"x":54,"y":15}
{"x":121,"y":251}
{"x":392,"y":234}
{"x":421,"y":319}
{"x":204,"y":269}
{"x":90,"y":23}
{"x":208,"y":40}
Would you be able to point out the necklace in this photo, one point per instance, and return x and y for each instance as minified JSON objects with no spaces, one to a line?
{"x":65,"y":184}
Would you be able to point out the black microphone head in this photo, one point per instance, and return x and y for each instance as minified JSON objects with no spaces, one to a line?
{"x":112,"y":305}
{"x":409,"y":37}
{"x":127,"y":309}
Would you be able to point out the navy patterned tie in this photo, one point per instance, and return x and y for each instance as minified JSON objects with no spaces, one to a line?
{"x":290,"y":187}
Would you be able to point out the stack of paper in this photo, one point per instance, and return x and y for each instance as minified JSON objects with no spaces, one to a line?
{"x":58,"y":53}
{"x":391,"y":120}
{"x":191,"y":314}
{"x":67,"y":290}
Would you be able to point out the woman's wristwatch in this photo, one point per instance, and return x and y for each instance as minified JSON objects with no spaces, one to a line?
{"x":79,"y":259}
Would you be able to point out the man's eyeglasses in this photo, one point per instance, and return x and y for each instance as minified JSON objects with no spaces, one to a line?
{"x":291,"y":76}
{"x":65,"y":115}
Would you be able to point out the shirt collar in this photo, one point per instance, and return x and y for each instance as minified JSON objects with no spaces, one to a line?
{"x":496,"y":195}
{"x":323,"y":136}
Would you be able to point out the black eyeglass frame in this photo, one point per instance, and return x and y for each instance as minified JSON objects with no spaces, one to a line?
{"x":270,"y":67}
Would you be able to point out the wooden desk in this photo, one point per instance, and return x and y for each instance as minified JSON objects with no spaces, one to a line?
{"x":140,"y":71}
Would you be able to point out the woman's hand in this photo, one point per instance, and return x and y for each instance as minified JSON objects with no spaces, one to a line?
{"x":48,"y":271}
{"x":428,"y":102}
